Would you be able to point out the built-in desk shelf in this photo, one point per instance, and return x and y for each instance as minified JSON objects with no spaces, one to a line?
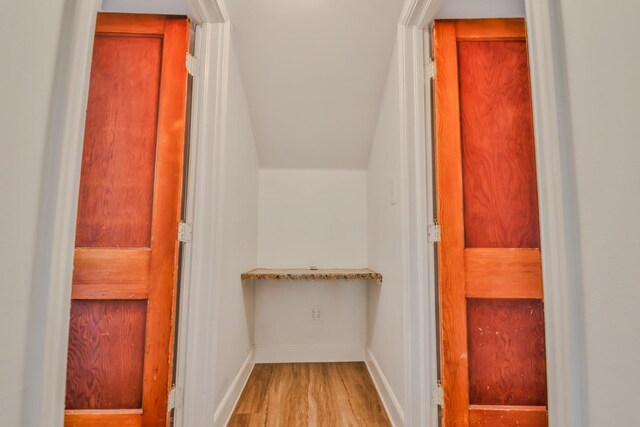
{"x":308,"y":274}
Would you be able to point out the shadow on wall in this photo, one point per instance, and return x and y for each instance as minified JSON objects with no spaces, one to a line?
{"x":249,"y":297}
{"x":373,"y":300}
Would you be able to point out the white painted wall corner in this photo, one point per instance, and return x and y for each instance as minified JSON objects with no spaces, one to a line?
{"x":198,"y":334}
{"x":225,"y":409}
{"x":391,"y":404}
{"x":46,"y":354}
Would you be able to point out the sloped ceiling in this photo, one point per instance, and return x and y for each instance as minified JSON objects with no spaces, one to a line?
{"x":314,"y":72}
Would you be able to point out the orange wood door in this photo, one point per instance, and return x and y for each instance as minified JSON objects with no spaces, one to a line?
{"x":493,"y":367}
{"x":124,"y":279}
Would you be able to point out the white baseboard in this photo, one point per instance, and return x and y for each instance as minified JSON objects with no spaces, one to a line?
{"x":309,"y":353}
{"x":393,"y":408}
{"x":225,"y":409}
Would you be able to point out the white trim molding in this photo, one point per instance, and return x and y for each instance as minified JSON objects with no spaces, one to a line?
{"x":414,"y":208}
{"x":389,"y":400}
{"x":418,"y":13}
{"x":558,"y":215}
{"x":230,"y":400}
{"x":208,"y":11}
{"x":202,"y":258}
{"x":420,"y":299}
{"x":197,"y":335}
{"x":45,"y":371}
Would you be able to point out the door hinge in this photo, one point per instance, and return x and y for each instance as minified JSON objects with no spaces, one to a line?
{"x":193,"y":64}
{"x":437,"y":395}
{"x":184,"y":232}
{"x":433,"y":232}
{"x":430,"y":70}
{"x":175,"y":398}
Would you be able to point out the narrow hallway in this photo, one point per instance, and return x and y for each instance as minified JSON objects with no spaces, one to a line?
{"x":277,"y":213}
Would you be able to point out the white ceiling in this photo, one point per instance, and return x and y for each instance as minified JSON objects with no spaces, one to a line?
{"x":314,"y":72}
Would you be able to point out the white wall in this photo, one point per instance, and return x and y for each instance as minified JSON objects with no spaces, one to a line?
{"x":385,"y":321}
{"x":311,"y":217}
{"x":603,"y":65}
{"x":26,"y":84}
{"x":452,"y":9}
{"x":284,"y":331}
{"x":239,"y":239}
{"x":166,"y":7}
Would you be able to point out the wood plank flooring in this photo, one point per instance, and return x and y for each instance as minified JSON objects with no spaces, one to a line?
{"x":309,"y":394}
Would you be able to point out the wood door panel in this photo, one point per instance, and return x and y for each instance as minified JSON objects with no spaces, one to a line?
{"x":111,"y":266}
{"x":507,"y":416}
{"x":451,"y":274}
{"x":503,"y":273}
{"x":492,"y":348}
{"x":125,"y":267}
{"x":506,"y":352}
{"x":118,"y":159}
{"x":489,"y":29}
{"x":89,"y":418}
{"x":499,"y":175}
{"x":119,"y":291}
{"x":133,"y":24}
{"x":106,"y":352}
{"x":166,"y":216}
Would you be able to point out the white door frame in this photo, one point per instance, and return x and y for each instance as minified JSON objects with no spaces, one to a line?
{"x":197,"y":334}
{"x":561,"y":270}
{"x":45,"y":371}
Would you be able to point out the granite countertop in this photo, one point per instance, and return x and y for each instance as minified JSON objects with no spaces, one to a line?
{"x":308,"y":274}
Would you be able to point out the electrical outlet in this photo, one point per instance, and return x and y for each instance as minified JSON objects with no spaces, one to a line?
{"x":316,"y":314}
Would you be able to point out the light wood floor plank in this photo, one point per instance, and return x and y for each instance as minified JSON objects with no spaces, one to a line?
{"x":309,"y":394}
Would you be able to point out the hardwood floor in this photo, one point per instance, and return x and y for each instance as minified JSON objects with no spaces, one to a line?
{"x":309,"y":394}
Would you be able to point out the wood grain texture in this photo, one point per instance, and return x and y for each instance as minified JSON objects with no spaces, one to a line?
{"x":120,"y":291}
{"x":507,"y":364}
{"x":134,"y":270}
{"x":109,"y":265}
{"x":105,"y":359}
{"x":448,"y":158}
{"x":503,"y":273}
{"x":118,"y":158}
{"x":490,"y":29}
{"x":89,"y":418}
{"x":309,"y":394}
{"x":123,"y":23}
{"x":487,"y":207}
{"x":499,"y":171}
{"x":508,"y":416}
{"x":166,"y":216}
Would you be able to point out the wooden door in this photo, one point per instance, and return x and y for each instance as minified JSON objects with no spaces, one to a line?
{"x":124,"y":279}
{"x":493,"y":369}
